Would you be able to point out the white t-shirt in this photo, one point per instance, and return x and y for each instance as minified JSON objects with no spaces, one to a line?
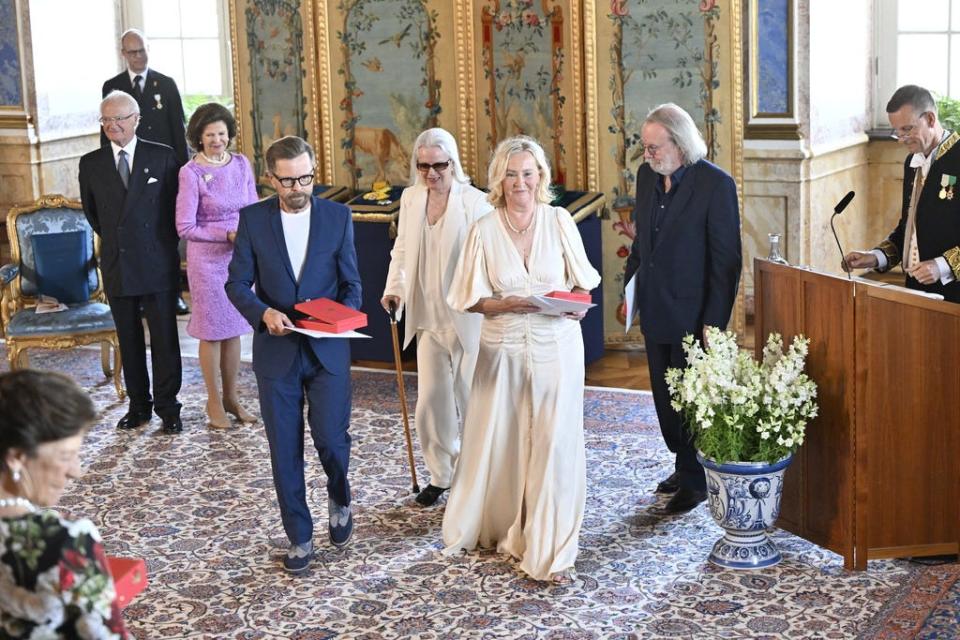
{"x":296,"y":233}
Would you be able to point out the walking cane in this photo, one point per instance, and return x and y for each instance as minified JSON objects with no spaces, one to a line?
{"x":403,"y":395}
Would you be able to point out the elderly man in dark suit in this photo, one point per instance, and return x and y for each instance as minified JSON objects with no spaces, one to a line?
{"x":161,"y":109}
{"x":292,"y":248}
{"x":129,"y":192}
{"x":686,"y":257}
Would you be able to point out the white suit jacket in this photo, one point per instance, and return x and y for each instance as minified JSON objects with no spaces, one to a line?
{"x":465,"y":206}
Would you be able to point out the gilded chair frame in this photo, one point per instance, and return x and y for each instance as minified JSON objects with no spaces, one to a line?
{"x":15,"y":300}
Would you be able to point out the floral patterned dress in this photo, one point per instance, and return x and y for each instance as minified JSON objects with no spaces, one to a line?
{"x":54,"y":580}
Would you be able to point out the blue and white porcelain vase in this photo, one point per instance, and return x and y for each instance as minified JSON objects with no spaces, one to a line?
{"x":744,"y":499}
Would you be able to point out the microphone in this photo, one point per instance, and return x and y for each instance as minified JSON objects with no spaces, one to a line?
{"x":837,"y":210}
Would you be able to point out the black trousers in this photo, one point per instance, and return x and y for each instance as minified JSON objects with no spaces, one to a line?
{"x":660,"y":357}
{"x":160,"y":311}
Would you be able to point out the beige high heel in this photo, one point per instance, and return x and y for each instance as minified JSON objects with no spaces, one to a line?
{"x":220,"y":422}
{"x":239,"y":412}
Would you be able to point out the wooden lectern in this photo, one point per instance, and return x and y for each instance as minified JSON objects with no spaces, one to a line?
{"x":878,"y":475}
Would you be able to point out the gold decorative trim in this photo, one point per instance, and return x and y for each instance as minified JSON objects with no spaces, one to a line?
{"x":590,"y":62}
{"x":736,"y":82}
{"x":235,"y":72}
{"x":466,"y":109}
{"x":586,"y":205}
{"x":947,"y":144}
{"x":326,"y":145}
{"x":952,"y":257}
{"x":310,"y":38}
{"x":574,"y":57}
{"x":15,"y":120}
{"x":892,"y":253}
{"x":788,"y":131}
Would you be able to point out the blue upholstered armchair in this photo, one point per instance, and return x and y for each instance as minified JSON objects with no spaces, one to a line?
{"x":54,"y":252}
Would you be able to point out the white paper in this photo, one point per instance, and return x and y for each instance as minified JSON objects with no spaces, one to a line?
{"x":557,"y":307}
{"x":628,"y":294}
{"x":323,"y":334}
{"x":49,"y":304}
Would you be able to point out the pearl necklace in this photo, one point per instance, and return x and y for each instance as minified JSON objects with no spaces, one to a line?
{"x":17,"y":501}
{"x":224,"y":160}
{"x":519,"y":232}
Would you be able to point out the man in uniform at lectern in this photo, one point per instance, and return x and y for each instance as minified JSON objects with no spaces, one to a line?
{"x":926,"y":241}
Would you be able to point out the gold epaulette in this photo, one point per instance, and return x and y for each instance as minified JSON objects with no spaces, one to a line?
{"x":947,"y":144}
{"x":953,"y":259}
{"x":892,"y":253}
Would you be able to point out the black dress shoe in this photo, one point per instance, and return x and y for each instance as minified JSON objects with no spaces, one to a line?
{"x":682,"y":501}
{"x":172,"y":425}
{"x":670,"y":484}
{"x":182,"y":308}
{"x":134,"y":419}
{"x":429,"y":496}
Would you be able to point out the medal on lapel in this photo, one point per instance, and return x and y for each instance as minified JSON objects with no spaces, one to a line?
{"x":156,"y":97}
{"x":947,"y":183}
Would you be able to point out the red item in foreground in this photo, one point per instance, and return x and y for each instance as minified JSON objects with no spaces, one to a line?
{"x":570,"y":295}
{"x":129,"y":577}
{"x":329,"y":316}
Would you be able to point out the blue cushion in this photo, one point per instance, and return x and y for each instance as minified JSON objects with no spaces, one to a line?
{"x":85,"y":317}
{"x":61,"y":265}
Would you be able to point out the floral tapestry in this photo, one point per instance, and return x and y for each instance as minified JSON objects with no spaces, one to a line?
{"x":650,"y":52}
{"x":273,"y":72}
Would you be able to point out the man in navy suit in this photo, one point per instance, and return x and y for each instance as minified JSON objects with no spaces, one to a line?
{"x":686,"y":258}
{"x":161,"y":110}
{"x":293,"y":248}
{"x":129,"y":193}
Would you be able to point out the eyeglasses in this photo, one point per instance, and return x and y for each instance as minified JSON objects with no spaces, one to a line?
{"x":652,"y":149}
{"x":134,"y":52}
{"x":908,"y":130}
{"x":287,"y":183}
{"x":439,"y":167}
{"x":105,"y":120}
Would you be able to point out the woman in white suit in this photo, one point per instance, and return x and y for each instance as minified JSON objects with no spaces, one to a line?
{"x":435,"y":212}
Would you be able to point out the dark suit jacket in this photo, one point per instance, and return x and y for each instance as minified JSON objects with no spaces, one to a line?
{"x":161,"y":120}
{"x":937,"y":222}
{"x":329,"y":271}
{"x":137,"y":226}
{"x":690,"y":276}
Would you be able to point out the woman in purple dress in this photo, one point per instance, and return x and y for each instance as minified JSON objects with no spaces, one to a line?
{"x":214,"y":186}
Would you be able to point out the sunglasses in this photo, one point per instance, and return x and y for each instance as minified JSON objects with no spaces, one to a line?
{"x":439,"y":167}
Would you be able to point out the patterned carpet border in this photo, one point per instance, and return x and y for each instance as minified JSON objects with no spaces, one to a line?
{"x":200,"y":508}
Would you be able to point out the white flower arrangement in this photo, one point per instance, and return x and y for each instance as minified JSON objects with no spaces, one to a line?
{"x":737,"y":409}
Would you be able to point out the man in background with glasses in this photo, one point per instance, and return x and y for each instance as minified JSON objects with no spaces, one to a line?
{"x":129,"y":193}
{"x":161,"y":109}
{"x":292,"y":248}
{"x":926,"y":241}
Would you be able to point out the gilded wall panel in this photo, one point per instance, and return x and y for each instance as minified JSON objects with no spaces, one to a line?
{"x":640,"y":55}
{"x":388,"y":71}
{"x":274,"y":74}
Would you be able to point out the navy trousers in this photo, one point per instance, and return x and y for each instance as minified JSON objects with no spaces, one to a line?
{"x":328,"y":413}
{"x":660,"y":357}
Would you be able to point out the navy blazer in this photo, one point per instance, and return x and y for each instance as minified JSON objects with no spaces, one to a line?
{"x":689,"y":278}
{"x":161,"y":118}
{"x":137,"y":226}
{"x":260,"y":260}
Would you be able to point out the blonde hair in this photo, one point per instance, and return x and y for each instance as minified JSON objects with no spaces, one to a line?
{"x":498,"y":169}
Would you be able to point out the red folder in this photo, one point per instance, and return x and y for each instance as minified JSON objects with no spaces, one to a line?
{"x":327,"y":315}
{"x":129,"y":578}
{"x":570,"y":295}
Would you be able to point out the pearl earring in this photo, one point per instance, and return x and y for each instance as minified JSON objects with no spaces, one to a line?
{"x":16,"y":475}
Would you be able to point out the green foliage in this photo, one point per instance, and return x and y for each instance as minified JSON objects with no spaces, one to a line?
{"x":949,"y":112}
{"x":191,"y":102}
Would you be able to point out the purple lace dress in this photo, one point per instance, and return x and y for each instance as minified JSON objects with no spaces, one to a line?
{"x":208,"y":207}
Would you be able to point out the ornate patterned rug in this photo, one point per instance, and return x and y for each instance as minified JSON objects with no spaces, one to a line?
{"x":200,"y":507}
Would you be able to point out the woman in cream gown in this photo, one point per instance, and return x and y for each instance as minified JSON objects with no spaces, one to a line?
{"x":521,"y":481}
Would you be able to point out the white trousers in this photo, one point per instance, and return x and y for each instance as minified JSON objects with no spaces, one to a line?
{"x":444,"y":374}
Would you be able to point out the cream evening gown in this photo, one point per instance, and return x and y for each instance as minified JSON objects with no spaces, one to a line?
{"x":520,"y":484}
